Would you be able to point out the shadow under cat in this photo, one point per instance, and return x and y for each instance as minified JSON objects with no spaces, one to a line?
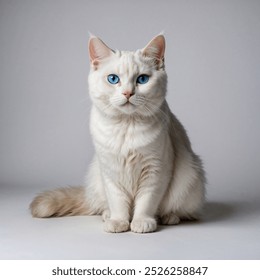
{"x":225,"y":211}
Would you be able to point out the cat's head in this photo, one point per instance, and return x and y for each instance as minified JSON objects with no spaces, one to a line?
{"x":127,"y":83}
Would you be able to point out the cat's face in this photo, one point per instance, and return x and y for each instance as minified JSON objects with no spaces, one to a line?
{"x":127,"y":83}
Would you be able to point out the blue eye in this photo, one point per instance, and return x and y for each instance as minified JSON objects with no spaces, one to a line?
{"x":113,"y":79}
{"x":142,"y":79}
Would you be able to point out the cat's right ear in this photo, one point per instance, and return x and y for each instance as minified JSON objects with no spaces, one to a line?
{"x":155,"y":50}
{"x":98,"y":51}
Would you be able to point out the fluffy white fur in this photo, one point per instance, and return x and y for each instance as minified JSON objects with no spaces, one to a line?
{"x":144,"y":170}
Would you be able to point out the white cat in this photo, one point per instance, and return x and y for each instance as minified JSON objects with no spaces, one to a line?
{"x":144,"y":170}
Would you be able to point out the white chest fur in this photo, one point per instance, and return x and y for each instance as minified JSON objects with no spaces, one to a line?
{"x":123,"y":135}
{"x":127,"y":148}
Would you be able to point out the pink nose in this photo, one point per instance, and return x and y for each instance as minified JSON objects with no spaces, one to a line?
{"x":128,"y":94}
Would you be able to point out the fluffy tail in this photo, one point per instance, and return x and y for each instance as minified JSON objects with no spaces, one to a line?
{"x":68,"y":201}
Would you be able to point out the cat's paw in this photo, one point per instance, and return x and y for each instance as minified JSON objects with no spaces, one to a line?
{"x":115,"y":226}
{"x":170,"y":219}
{"x":143,"y":225}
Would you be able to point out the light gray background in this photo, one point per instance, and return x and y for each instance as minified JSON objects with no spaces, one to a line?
{"x":213,"y":64}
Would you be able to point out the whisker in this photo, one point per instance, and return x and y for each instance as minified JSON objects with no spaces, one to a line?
{"x":157,"y":111}
{"x":159,"y":115}
{"x":106,"y":108}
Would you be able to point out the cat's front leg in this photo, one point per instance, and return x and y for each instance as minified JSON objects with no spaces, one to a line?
{"x":144,"y":215}
{"x":119,"y":217}
{"x":146,"y":206}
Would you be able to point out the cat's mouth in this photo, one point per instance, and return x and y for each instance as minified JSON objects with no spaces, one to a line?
{"x":127,"y":102}
{"x":128,"y":107}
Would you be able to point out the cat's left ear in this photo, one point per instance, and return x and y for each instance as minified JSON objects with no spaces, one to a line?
{"x":155,"y":49}
{"x":98,"y":51}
